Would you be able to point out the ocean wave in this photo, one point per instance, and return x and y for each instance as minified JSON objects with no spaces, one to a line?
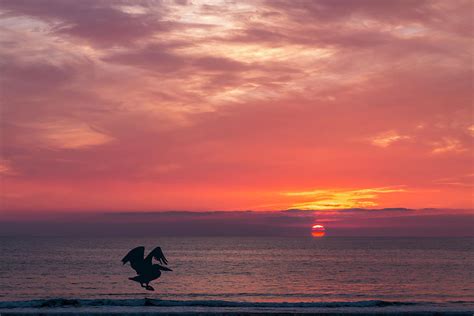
{"x":61,"y":302}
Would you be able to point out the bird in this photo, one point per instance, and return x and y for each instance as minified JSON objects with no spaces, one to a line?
{"x":146,"y":270}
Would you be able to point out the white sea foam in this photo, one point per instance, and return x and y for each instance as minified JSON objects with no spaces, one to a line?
{"x":93,"y":306}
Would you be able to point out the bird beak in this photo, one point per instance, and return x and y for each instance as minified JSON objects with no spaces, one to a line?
{"x":164,"y":268}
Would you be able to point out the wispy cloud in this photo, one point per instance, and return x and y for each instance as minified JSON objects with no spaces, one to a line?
{"x":448,"y":145}
{"x":463,"y":181}
{"x":387,"y":138}
{"x":67,"y":135}
{"x":6,"y":168}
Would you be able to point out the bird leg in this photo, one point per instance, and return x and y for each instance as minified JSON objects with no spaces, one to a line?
{"x":149,"y":287}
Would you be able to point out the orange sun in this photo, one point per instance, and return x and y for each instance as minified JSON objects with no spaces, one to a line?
{"x":318,"y":231}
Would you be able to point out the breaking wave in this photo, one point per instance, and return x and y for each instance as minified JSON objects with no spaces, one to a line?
{"x":61,"y":302}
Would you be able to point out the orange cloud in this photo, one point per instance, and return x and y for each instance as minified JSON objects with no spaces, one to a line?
{"x":340,"y":199}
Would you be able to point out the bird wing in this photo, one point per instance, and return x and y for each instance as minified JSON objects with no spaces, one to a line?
{"x":135,"y":257}
{"x":157,"y":253}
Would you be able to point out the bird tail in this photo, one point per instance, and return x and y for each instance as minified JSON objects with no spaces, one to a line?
{"x":136,"y":279}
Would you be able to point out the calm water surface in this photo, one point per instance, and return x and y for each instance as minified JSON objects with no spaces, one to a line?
{"x":243,"y":269}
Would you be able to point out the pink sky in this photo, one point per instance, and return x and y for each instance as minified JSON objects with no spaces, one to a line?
{"x":222,"y":105}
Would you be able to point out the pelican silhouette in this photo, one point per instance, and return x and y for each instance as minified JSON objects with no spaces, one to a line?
{"x":146,"y":270}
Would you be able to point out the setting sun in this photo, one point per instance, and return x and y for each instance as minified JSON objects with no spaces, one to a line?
{"x":318,"y":231}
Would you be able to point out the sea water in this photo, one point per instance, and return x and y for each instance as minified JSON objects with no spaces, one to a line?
{"x":240,"y":273}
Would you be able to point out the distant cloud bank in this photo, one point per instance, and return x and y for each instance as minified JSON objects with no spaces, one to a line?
{"x":348,"y":222}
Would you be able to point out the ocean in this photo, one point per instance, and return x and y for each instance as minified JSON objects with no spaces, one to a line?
{"x":240,"y":274}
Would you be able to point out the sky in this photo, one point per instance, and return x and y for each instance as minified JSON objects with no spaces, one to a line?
{"x":190,"y":105}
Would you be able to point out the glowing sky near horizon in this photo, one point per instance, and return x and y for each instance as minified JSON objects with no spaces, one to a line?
{"x":235,"y":105}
